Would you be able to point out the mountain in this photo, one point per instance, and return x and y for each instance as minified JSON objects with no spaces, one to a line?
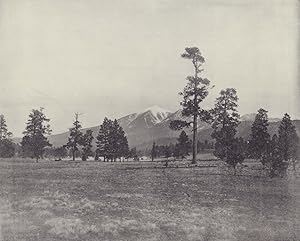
{"x":139,"y":127}
{"x":152,"y":125}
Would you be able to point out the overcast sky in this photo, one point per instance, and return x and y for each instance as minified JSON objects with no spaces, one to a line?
{"x":115,"y":57}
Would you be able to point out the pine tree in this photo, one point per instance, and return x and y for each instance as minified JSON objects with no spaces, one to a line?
{"x":4,"y":133}
{"x":87,"y":140}
{"x":111,"y":141}
{"x":103,"y":138}
{"x":35,"y":140}
{"x":124,"y":147}
{"x":288,"y":139}
{"x":153,"y":152}
{"x":236,"y":153}
{"x":120,"y":143}
{"x":183,"y":145}
{"x":193,"y":94}
{"x":75,"y":137}
{"x":225,"y":122}
{"x":7,"y":147}
{"x":260,"y":138}
{"x":277,"y":165}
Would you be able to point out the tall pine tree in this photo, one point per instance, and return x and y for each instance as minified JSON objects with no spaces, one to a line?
{"x":87,"y":140}
{"x":120,"y":143}
{"x":225,"y":122}
{"x":103,"y":138}
{"x":34,"y":140}
{"x":7,"y":147}
{"x":193,"y":94}
{"x":4,"y":133}
{"x":75,"y":138}
{"x":259,"y":138}
{"x":277,"y":166}
{"x":288,"y":139}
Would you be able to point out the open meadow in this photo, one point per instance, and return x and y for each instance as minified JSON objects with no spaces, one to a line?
{"x":144,"y":201}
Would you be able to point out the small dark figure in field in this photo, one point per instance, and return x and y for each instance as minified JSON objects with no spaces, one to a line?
{"x":166,"y":163}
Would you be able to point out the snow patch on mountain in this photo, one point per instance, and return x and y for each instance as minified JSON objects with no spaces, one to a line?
{"x":155,"y":114}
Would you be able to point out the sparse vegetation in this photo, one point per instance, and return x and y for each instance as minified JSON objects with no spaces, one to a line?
{"x":122,"y":201}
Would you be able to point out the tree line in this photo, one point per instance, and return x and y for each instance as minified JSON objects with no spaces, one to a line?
{"x":275,"y":153}
{"x":111,"y":141}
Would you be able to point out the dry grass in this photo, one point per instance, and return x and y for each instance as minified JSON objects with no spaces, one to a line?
{"x":122,"y":201}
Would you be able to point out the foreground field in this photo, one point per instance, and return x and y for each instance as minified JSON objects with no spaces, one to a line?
{"x":143,"y":201}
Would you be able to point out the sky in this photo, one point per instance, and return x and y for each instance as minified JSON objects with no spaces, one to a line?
{"x":116,"y":57}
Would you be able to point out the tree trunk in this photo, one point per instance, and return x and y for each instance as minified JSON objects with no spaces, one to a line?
{"x":194,"y":140}
{"x":73,"y":154}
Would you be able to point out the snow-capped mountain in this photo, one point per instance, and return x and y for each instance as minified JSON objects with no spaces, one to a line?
{"x":149,"y":117}
{"x":157,"y":114}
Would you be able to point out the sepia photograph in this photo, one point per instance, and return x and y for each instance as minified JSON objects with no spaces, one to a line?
{"x":149,"y":120}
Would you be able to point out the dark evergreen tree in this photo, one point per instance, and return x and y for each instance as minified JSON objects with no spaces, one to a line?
{"x":7,"y":147}
{"x":4,"y":133}
{"x":153,"y":151}
{"x":111,"y":141}
{"x":193,"y":94}
{"x":275,"y":159}
{"x":34,"y":140}
{"x":87,"y":140}
{"x":103,"y":139}
{"x":75,"y":137}
{"x":259,"y":138}
{"x":121,"y":147}
{"x":225,"y":122}
{"x":288,"y":139}
{"x":236,"y":153}
{"x":184,"y":144}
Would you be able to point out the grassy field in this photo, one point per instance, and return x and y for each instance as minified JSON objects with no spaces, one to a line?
{"x":144,"y":201}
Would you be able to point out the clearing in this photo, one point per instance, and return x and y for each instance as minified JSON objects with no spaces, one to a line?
{"x":122,"y":201}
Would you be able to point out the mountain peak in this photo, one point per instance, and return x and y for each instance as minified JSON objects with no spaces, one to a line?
{"x":155,"y":109}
